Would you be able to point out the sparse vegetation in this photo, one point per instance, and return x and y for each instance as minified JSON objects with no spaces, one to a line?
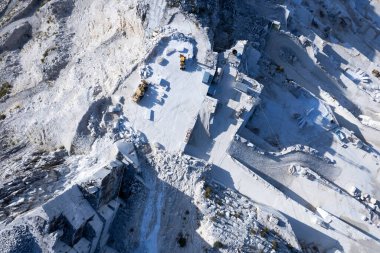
{"x":218,"y":245}
{"x":173,"y":3}
{"x":197,"y":24}
{"x":219,"y":202}
{"x":46,"y":53}
{"x":5,"y":89}
{"x":208,"y":192}
{"x":50,"y":20}
{"x":17,"y":106}
{"x":2,"y":116}
{"x":43,"y":3}
{"x":273,"y":140}
{"x":274,"y":245}
{"x":181,"y":240}
{"x":237,"y":215}
{"x":264,"y":232}
{"x":256,"y":130}
{"x":279,"y":69}
{"x":219,"y":214}
{"x":314,"y":23}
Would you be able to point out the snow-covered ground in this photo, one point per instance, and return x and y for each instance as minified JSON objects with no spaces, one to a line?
{"x":173,"y":98}
{"x":287,"y":160}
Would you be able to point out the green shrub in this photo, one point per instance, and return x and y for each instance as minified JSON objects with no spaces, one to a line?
{"x":253,"y":231}
{"x":274,"y":245}
{"x":208,"y":192}
{"x":264,"y":232}
{"x":181,"y":240}
{"x":46,"y":53}
{"x":279,"y":69}
{"x":218,"y":245}
{"x":5,"y":89}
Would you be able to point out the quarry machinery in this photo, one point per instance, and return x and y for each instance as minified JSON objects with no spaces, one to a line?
{"x":139,"y":93}
{"x":182,"y":60}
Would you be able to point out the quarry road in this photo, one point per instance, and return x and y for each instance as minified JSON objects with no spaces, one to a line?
{"x":272,"y":165}
{"x":150,"y":220}
{"x":158,"y":7}
{"x":234,"y":175}
{"x":346,"y":103}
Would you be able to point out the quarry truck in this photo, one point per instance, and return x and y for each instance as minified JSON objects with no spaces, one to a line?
{"x":182,"y":60}
{"x":139,"y":93}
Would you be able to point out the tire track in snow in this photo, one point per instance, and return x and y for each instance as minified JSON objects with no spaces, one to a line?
{"x":151,"y":221}
{"x":153,"y":236}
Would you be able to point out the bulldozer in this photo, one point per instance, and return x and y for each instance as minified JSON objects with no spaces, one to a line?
{"x":139,"y":93}
{"x":182,"y":60}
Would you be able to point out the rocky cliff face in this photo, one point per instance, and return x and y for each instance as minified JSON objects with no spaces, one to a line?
{"x":43,"y":56}
{"x":77,"y":175}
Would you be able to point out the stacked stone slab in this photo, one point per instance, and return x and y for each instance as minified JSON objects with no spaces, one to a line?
{"x":78,"y":220}
{"x":85,"y":225}
{"x":104,"y":185}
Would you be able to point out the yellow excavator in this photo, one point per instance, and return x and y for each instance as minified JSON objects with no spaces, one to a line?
{"x":139,"y":93}
{"x":182,"y":60}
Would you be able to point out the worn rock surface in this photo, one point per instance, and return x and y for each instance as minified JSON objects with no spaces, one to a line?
{"x":275,"y":149}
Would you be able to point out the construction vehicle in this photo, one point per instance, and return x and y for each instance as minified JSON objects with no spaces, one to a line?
{"x":182,"y":60}
{"x":139,"y":93}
